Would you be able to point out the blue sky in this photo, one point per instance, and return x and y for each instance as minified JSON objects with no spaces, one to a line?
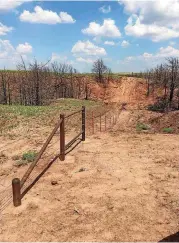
{"x":129,"y":35}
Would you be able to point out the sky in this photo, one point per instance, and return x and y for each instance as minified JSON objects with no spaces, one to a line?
{"x":129,"y":35}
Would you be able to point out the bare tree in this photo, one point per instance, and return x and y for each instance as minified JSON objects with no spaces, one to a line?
{"x":99,"y":69}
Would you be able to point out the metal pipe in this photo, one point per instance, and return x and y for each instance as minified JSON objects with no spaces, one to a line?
{"x":83,"y":123}
{"x":62,"y":137}
{"x":73,"y":113}
{"x":31,"y":167}
{"x":72,"y":141}
{"x":16,"y":190}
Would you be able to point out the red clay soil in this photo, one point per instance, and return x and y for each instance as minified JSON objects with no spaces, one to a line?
{"x":120,"y":185}
{"x":113,"y":187}
{"x":125,"y":90}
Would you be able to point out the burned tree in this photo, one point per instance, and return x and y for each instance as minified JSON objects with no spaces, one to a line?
{"x":99,"y":69}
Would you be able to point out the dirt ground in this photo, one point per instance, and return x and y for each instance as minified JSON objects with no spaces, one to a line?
{"x":115,"y":186}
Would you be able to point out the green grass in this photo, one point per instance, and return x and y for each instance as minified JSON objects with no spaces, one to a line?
{"x":62,"y":105}
{"x":12,"y":116}
{"x":26,"y":158}
{"x":168,"y":130}
{"x":29,"y":156}
{"x":142,"y":127}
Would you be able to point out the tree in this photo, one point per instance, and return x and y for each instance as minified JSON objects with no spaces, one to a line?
{"x":99,"y":69}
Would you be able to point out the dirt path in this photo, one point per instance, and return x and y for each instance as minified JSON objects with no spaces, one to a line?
{"x":128,"y":191}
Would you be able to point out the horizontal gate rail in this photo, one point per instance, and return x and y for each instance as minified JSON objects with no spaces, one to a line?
{"x":73,"y":140}
{"x":18,"y":184}
{"x":72,"y":114}
{"x":28,"y":172}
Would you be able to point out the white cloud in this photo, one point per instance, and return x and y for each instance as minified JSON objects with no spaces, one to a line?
{"x":86,"y":60}
{"x":87,"y":48}
{"x":45,"y":17}
{"x":169,"y":51}
{"x":107,"y":29}
{"x":152,"y":31}
{"x":162,"y":12}
{"x":158,"y":57}
{"x":9,"y":56}
{"x":58,"y":57}
{"x":24,"y":48}
{"x":157,"y":20}
{"x":6,"y":5}
{"x":105,"y":9}
{"x":110,"y":43}
{"x":125,"y":43}
{"x":61,"y":59}
{"x":5,"y":29}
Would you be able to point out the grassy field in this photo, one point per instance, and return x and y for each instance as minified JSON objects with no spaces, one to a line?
{"x":16,"y":116}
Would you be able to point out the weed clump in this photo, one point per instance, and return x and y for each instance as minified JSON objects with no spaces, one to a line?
{"x":167,"y":130}
{"x":142,"y":127}
{"x":26,"y":158}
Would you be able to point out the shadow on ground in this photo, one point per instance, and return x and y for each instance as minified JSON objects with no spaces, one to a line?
{"x":171,"y":238}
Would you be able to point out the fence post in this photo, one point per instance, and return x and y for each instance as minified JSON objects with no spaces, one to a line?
{"x":16,"y":190}
{"x":83,"y":123}
{"x":62,"y":138}
{"x":100,"y":121}
{"x":92,"y":122}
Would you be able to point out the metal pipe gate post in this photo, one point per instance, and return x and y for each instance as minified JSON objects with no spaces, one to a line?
{"x":83,"y":123}
{"x":62,"y":137}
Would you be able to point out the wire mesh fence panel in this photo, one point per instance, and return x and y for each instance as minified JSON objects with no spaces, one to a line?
{"x":96,"y":121}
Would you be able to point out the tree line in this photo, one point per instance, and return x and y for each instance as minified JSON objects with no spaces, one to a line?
{"x":164,"y":77}
{"x":36,"y":84}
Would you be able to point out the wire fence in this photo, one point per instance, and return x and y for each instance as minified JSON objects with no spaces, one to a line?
{"x":91,"y":123}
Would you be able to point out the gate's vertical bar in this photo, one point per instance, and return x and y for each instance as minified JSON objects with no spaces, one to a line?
{"x":83,"y":123}
{"x":16,"y":190}
{"x":62,"y":137}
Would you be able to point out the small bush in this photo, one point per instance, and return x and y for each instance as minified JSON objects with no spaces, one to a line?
{"x":27,"y":157}
{"x":168,"y":130}
{"x":142,"y":126}
{"x":159,"y":106}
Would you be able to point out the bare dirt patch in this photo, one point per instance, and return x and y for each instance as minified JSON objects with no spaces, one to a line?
{"x":113,"y":187}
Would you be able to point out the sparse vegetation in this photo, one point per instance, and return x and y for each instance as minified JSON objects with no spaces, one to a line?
{"x":29,"y":156}
{"x":142,"y":126}
{"x":13,"y":116}
{"x":167,"y":130}
{"x":166,"y":78}
{"x":26,"y":158}
{"x":159,"y":106}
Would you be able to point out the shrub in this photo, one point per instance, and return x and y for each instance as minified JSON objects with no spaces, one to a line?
{"x":168,"y":130}
{"x":142,"y":126}
{"x":159,"y":106}
{"x":27,"y":157}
